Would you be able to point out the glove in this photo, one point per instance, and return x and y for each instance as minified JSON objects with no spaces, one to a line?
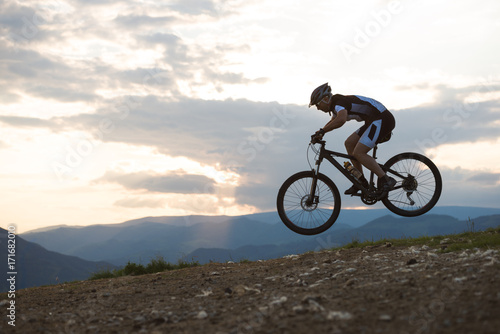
{"x":317,"y":136}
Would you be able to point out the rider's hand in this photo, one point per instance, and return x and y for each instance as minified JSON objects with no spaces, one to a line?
{"x":317,"y":136}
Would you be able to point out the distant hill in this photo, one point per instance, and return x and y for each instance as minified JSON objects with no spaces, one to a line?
{"x":357,"y":218}
{"x":386,"y":227}
{"x":205,"y":239}
{"x":37,"y":266}
{"x":193,"y":237}
{"x":146,"y":239}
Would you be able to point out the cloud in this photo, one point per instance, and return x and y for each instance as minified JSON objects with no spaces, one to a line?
{"x":45,"y":76}
{"x":161,"y":16}
{"x":469,"y":187}
{"x":263,"y":142}
{"x":12,"y":15}
{"x":143,"y":21}
{"x":139,"y":202}
{"x":485,"y":179}
{"x":160,"y":38}
{"x":452,"y":118}
{"x":173,"y":182}
{"x":142,"y":67}
{"x":22,"y":122}
{"x":195,"y":7}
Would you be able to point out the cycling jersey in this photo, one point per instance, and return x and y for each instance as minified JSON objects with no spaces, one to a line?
{"x":359,"y":108}
{"x":379,"y":122}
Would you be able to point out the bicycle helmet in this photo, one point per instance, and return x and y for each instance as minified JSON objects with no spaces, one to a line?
{"x":320,"y":93}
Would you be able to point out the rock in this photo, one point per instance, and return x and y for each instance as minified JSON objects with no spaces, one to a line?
{"x":313,"y":303}
{"x":278,"y":301}
{"x":299,"y":309}
{"x":310,"y":298}
{"x":350,"y":282}
{"x":202,"y":315}
{"x":205,"y":293}
{"x":239,"y":290}
{"x":488,"y":252}
{"x":339,"y":315}
{"x":411,"y":261}
{"x":291,"y":256}
{"x":140,"y":319}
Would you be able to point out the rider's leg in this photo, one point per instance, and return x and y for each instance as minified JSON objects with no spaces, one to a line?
{"x":350,"y":145}
{"x":360,"y":152}
{"x":369,"y":136}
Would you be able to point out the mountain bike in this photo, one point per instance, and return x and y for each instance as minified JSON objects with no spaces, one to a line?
{"x":309,"y":202}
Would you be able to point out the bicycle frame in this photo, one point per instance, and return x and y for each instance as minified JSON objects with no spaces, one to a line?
{"x":329,"y":155}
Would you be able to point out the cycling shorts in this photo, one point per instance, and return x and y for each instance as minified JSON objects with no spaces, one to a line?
{"x":372,"y":132}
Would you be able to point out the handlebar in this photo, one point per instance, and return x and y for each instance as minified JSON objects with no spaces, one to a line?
{"x":316,"y":140}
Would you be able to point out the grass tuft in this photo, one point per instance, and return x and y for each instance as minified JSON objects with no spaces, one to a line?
{"x":133,"y":269}
{"x":489,"y":238}
{"x":471,"y":239}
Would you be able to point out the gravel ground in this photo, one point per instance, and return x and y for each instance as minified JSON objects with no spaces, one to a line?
{"x":380,"y":289}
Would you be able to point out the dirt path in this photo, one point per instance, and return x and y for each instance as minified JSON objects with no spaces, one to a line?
{"x":371,"y":290}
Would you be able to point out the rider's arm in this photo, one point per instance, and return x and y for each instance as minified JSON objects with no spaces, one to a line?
{"x":336,"y":121}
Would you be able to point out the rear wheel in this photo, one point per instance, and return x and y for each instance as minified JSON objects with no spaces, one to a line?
{"x":418,"y":186}
{"x":303,"y":214}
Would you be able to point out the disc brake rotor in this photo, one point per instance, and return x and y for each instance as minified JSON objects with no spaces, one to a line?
{"x":307,"y":204}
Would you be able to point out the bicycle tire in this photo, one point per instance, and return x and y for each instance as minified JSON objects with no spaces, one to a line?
{"x":423,"y":188}
{"x":312,"y":219}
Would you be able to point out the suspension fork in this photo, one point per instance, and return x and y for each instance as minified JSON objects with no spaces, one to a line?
{"x":312,"y":193}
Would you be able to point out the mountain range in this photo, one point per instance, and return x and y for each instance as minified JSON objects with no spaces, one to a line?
{"x":219,"y":239}
{"x":385,"y":227}
{"x":37,"y":266}
{"x":176,"y":238}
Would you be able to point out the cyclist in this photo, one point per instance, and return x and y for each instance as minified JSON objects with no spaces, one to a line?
{"x":379,"y":123}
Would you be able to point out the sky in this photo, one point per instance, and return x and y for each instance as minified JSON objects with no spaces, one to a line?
{"x":115,"y":110}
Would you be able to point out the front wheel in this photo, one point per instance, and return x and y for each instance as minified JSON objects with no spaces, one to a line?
{"x":418,"y":184}
{"x":303,"y":214}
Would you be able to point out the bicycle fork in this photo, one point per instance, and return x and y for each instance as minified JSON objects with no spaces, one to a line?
{"x":313,"y":197}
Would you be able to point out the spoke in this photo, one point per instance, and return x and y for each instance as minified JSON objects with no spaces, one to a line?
{"x":315,"y":215}
{"x":425,"y":181}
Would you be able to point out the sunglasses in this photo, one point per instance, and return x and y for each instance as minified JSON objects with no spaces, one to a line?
{"x":323,"y":100}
